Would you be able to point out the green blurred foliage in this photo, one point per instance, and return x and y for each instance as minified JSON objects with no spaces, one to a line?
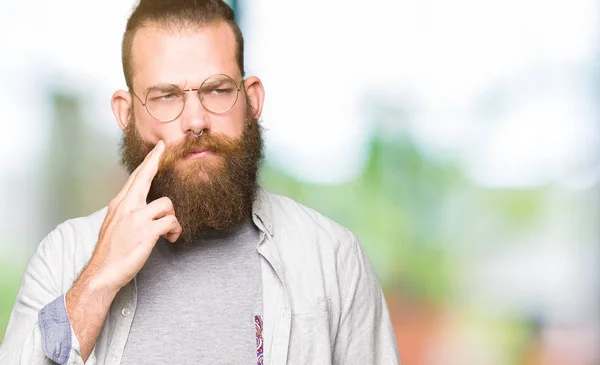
{"x":393,"y":207}
{"x":413,"y":213}
{"x":10,"y":280}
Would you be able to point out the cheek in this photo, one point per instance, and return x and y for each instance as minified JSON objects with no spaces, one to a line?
{"x":230,"y":124}
{"x":153,"y":131}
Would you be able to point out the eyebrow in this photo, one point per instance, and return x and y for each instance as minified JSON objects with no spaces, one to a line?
{"x":213,"y":83}
{"x":218,"y":83}
{"x":163,"y":88}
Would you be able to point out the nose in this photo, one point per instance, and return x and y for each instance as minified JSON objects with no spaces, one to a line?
{"x":195,"y":117}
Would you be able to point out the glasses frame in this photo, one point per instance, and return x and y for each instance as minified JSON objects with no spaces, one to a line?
{"x":237,"y":96}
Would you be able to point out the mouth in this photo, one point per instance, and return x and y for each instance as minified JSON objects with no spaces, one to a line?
{"x":199,"y":154}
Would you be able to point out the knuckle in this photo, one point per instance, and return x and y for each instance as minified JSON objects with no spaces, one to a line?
{"x":127,"y":206}
{"x":165,"y":203}
{"x":136,"y":218}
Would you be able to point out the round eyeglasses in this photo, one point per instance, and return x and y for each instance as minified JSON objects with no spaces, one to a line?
{"x":165,"y":103}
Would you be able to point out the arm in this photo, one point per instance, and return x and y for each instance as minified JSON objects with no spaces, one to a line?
{"x":365,"y":333}
{"x":126,"y":239}
{"x":127,"y":236}
{"x":87,"y":304}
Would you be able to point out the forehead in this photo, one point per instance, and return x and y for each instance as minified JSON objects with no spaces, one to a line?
{"x":184,"y":57}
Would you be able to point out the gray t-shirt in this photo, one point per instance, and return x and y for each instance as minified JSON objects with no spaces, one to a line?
{"x":196,"y":304}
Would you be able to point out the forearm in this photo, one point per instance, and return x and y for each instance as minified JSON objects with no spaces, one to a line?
{"x":88,"y":303}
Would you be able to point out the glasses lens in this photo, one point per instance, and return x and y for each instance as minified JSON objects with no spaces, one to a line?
{"x":165,"y":105}
{"x":218,"y":93}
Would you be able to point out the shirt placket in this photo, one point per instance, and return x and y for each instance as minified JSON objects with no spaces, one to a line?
{"x":123,"y":311}
{"x":281,"y":328}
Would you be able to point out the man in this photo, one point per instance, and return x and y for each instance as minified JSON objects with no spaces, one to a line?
{"x":192,"y":262}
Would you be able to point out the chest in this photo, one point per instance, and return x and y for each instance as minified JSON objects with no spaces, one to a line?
{"x":201,"y":304}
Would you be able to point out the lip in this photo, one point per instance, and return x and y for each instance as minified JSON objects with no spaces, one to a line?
{"x":200,"y":154}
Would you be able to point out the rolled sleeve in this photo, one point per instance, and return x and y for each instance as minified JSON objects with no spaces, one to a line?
{"x":56,"y":331}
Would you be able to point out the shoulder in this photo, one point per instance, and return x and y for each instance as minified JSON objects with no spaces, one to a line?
{"x":70,"y":245}
{"x":298,"y":223}
{"x":81,"y":231}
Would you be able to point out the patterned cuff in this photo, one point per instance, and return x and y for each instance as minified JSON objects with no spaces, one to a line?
{"x":56,"y":331}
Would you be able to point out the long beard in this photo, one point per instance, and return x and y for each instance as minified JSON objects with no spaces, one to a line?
{"x":211,"y":193}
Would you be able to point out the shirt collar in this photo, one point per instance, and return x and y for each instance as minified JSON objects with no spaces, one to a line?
{"x":261,"y":210}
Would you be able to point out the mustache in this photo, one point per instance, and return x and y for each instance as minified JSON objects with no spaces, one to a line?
{"x":216,"y":143}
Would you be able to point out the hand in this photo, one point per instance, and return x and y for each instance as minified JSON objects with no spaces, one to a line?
{"x":132,"y":227}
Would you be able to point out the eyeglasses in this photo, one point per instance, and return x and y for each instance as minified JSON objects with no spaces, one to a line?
{"x":165,"y":103}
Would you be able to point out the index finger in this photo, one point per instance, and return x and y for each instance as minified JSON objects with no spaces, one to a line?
{"x":130,"y":179}
{"x":140,"y":185}
{"x":127,"y":185}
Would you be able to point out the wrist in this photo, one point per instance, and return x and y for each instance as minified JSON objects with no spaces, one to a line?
{"x":101,"y":286}
{"x":92,"y":287}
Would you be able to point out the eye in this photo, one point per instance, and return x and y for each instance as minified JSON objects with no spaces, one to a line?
{"x":163,"y":98}
{"x":221,"y":91}
{"x":167,"y":97}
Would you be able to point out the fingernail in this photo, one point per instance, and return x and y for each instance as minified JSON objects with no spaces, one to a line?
{"x":159,"y":145}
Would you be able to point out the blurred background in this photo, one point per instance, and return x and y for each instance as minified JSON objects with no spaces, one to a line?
{"x":460,"y":140}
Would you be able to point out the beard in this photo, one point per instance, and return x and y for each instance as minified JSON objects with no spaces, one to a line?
{"x":211,"y":193}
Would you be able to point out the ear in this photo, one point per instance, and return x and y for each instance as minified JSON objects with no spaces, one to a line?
{"x":122,"y":105}
{"x":256,"y":94}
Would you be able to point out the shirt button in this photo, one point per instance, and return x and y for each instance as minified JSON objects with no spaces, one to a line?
{"x":126,"y":312}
